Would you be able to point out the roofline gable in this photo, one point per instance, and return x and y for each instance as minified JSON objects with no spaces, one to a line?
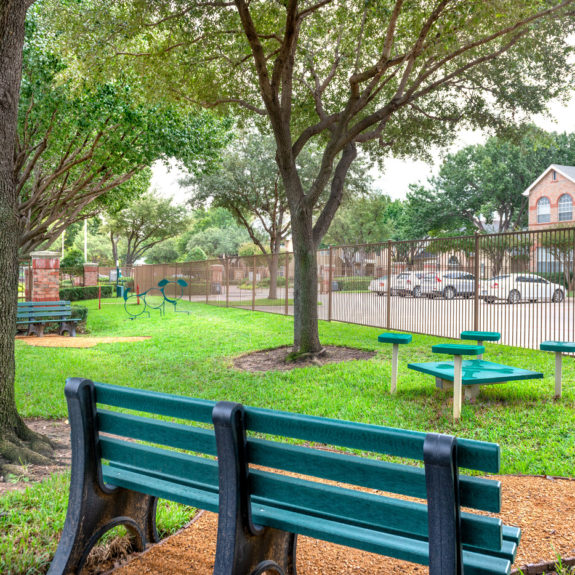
{"x":555,"y":167}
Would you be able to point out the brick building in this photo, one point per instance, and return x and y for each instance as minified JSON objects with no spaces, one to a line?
{"x":551,"y":198}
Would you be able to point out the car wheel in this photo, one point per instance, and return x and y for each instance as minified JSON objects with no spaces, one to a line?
{"x":558,"y":296}
{"x":514,"y":296}
{"x":449,"y":292}
{"x":417,"y":291}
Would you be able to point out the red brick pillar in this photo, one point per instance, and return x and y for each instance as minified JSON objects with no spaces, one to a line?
{"x":45,"y":276}
{"x":91,"y":272}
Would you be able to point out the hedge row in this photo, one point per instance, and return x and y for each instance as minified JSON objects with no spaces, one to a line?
{"x":358,"y":283}
{"x":89,"y":292}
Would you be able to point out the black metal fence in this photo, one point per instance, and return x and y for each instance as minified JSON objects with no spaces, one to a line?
{"x":520,"y":284}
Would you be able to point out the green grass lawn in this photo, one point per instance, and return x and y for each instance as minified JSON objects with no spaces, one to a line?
{"x":191,"y":355}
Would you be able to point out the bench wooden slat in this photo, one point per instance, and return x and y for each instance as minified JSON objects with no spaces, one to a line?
{"x":32,"y":303}
{"x":44,"y":313}
{"x":184,"y":494}
{"x":406,"y":518}
{"x":179,"y":467}
{"x":369,"y":540}
{"x":476,"y":455}
{"x":475,"y":492}
{"x":154,"y":402}
{"x":165,"y":433}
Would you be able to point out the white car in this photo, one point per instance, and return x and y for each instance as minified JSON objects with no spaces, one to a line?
{"x":407,"y":283}
{"x":378,"y":285}
{"x":516,"y":288}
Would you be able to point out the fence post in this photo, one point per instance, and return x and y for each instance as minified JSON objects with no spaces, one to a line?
{"x":254,"y":283}
{"x":329,"y":283}
{"x":388,"y":311}
{"x":286,"y":274}
{"x":227,"y":282}
{"x":477,"y":285}
{"x":207,"y":283}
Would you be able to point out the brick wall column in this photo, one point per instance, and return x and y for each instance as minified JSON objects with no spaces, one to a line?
{"x":91,"y":272}
{"x":45,"y":276}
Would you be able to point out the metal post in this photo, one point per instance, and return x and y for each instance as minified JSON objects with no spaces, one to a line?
{"x":394,"y":362}
{"x":254,"y":284}
{"x":227,"y":282}
{"x":477,"y":284}
{"x":207,"y":283}
{"x":558,"y":374}
{"x":329,"y":283}
{"x":286,"y":274}
{"x":388,"y":310}
{"x":457,"y":385}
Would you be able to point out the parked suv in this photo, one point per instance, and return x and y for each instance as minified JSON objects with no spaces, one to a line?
{"x":448,"y":284}
{"x":521,"y":287}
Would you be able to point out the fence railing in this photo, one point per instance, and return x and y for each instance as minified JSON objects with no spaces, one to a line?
{"x":520,"y":284}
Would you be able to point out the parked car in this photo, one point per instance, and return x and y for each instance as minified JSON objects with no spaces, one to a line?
{"x":407,"y":283}
{"x":378,"y":285}
{"x":448,"y":284}
{"x":521,"y":287}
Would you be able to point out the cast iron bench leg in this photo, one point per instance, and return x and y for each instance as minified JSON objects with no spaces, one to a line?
{"x":36,"y":329}
{"x":242,"y":547}
{"x":95,"y":508}
{"x":68,"y":326}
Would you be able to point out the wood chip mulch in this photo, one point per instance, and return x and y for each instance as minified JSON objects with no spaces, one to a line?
{"x":543,"y":507}
{"x":75,"y":342}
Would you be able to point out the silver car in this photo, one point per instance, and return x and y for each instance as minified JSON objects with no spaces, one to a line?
{"x":448,"y":284}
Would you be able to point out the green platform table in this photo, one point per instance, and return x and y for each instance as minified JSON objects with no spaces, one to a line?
{"x":473,"y":374}
{"x":480,"y":336}
{"x":396,"y":339}
{"x":559,"y":348}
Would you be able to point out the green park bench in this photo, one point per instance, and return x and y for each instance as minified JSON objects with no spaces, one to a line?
{"x":469,"y":374}
{"x":116,"y":479}
{"x":396,"y":339}
{"x":34,"y":315}
{"x":559,"y":348}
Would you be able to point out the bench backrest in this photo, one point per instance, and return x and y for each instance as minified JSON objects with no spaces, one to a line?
{"x":246,"y":447}
{"x":162,"y":465}
{"x":43,"y":310}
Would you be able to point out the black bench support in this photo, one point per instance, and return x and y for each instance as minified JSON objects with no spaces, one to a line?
{"x":442,"y":482}
{"x":93,"y":507}
{"x":243,"y":548}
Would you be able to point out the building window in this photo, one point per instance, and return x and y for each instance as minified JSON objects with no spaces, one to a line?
{"x":554,"y":176}
{"x":565,"y":208}
{"x":543,"y":211}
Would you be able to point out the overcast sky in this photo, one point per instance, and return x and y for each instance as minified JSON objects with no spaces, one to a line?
{"x":398,"y":174}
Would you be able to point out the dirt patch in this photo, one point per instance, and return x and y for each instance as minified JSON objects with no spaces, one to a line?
{"x":543,"y":508}
{"x":59,"y":432}
{"x":75,"y":342}
{"x":275,"y":359}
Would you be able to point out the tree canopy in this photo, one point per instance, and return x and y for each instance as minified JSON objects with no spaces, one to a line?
{"x":479,"y":188}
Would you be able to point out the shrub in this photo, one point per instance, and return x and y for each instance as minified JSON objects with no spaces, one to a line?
{"x":80,"y":312}
{"x":89,"y":292}
{"x":358,"y":283}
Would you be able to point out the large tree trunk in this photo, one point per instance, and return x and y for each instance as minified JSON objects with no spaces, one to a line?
{"x":306,"y":336}
{"x":273,"y":261}
{"x":18,"y":444}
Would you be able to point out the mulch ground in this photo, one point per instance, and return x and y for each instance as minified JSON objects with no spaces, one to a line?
{"x":54,"y":340}
{"x":275,"y":359}
{"x":544,"y":508}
